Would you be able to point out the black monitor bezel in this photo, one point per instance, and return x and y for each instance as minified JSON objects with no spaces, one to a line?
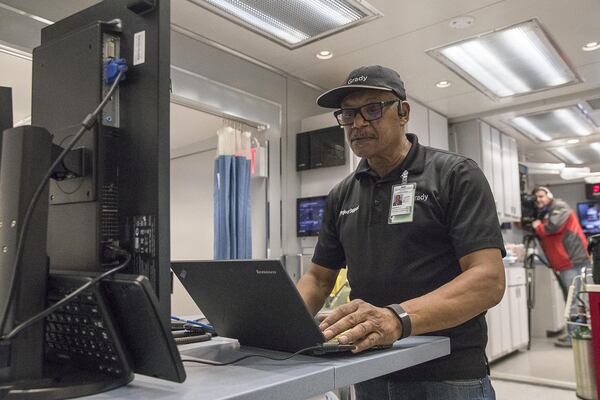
{"x":579,"y":217}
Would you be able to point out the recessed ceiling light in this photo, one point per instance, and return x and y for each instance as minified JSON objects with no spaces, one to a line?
{"x":443,"y":84}
{"x":591,"y":46}
{"x":572,"y":141}
{"x":514,"y":61}
{"x":462,"y":22}
{"x":324,"y":55}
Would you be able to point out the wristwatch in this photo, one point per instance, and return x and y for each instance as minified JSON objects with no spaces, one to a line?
{"x":404,"y":319}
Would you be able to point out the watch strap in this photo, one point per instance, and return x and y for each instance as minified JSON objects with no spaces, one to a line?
{"x":403,"y":317}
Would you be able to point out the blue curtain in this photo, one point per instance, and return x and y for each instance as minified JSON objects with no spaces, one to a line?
{"x":232,"y":216}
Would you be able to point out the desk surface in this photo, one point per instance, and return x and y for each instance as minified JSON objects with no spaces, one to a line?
{"x":261,"y":379}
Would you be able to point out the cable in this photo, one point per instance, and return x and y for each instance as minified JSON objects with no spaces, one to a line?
{"x":88,"y":122}
{"x":196,"y":323}
{"x":220,"y":364}
{"x":65,"y":300}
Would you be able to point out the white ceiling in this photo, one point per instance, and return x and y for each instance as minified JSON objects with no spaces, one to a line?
{"x":399,"y":40}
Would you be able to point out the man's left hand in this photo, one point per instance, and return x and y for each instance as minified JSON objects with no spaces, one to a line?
{"x":535,"y":223}
{"x":362,"y":325}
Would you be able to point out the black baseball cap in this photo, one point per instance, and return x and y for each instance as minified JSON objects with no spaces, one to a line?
{"x":369,"y":77}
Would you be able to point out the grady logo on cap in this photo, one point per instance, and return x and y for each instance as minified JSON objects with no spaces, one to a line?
{"x":369,"y":77}
{"x":361,"y":78}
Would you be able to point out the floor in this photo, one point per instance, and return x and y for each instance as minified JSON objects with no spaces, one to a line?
{"x":543,"y":372}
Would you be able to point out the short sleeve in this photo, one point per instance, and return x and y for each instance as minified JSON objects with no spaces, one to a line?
{"x":471,"y":213}
{"x":329,"y":252}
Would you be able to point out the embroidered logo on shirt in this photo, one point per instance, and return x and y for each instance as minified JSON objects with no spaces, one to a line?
{"x":349,"y":211}
{"x":422,"y":197}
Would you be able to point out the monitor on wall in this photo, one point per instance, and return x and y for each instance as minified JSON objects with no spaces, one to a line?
{"x":589,"y":216}
{"x":309,"y":215}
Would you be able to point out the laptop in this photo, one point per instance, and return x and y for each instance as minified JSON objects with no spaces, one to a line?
{"x":253,"y":301}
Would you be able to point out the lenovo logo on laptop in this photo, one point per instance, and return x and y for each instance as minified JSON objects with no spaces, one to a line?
{"x":265,"y":272}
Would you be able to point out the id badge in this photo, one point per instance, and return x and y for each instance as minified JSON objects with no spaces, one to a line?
{"x":402,"y":203}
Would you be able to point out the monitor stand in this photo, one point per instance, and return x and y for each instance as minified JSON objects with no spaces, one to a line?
{"x":61,"y":382}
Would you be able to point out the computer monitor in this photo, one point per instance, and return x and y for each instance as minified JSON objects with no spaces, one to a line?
{"x":309,"y":215}
{"x":122,"y":198}
{"x":112,"y":191}
{"x":589,"y":216}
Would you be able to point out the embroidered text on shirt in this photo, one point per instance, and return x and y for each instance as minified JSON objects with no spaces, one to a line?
{"x":349,"y":211}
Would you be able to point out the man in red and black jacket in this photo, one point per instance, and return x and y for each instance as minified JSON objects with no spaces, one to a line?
{"x":562,"y":240}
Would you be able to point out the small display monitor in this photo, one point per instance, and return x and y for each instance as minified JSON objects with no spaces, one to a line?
{"x":589,"y":216}
{"x":309,"y":214}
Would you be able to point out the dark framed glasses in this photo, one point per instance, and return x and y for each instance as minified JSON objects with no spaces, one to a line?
{"x":369,"y":112}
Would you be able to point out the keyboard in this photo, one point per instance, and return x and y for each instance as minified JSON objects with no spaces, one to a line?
{"x":81,"y":332}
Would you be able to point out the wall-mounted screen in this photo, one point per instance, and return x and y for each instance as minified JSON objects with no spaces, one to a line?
{"x":589,"y":216}
{"x":309,"y":214}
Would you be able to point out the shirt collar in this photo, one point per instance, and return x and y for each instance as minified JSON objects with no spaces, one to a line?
{"x":414,"y":162}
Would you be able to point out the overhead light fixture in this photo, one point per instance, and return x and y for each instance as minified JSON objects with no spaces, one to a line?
{"x":527,"y":126}
{"x":543,"y":168}
{"x":324,"y":55}
{"x":572,"y":141}
{"x":517,"y":60}
{"x":443,"y":84}
{"x":555,"y":124}
{"x":26,"y":14}
{"x":593,"y":177}
{"x":591,"y":46}
{"x":568,"y":155}
{"x":293,"y":23}
{"x":574,"y":173}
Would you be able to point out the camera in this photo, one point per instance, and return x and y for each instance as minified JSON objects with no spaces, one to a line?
{"x":529,"y":210}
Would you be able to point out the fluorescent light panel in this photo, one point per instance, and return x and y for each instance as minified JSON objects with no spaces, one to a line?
{"x":555,"y":124}
{"x":292,"y":22}
{"x":509,"y":62}
{"x":585,"y":153}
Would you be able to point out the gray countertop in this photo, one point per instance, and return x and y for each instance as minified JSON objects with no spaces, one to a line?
{"x":261,"y":379}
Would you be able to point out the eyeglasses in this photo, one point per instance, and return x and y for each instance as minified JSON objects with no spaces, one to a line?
{"x":369,"y":112}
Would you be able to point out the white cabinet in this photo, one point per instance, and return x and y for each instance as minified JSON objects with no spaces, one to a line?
{"x":508,"y":328}
{"x":430,"y":127}
{"x":496,"y":155}
{"x":438,"y":130}
{"x":516,"y":182}
{"x":512,"y":201}
{"x":497,"y":183}
{"x":418,"y":122}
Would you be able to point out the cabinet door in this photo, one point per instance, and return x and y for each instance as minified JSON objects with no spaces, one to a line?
{"x":518,"y":313}
{"x":497,"y":172}
{"x":506,"y":323}
{"x":486,"y":153}
{"x":494,"y":345}
{"x":514,"y":154}
{"x":507,"y":177}
{"x":438,"y":130}
{"x":418,"y":123}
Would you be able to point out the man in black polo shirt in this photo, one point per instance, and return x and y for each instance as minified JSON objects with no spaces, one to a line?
{"x":428,"y":265}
